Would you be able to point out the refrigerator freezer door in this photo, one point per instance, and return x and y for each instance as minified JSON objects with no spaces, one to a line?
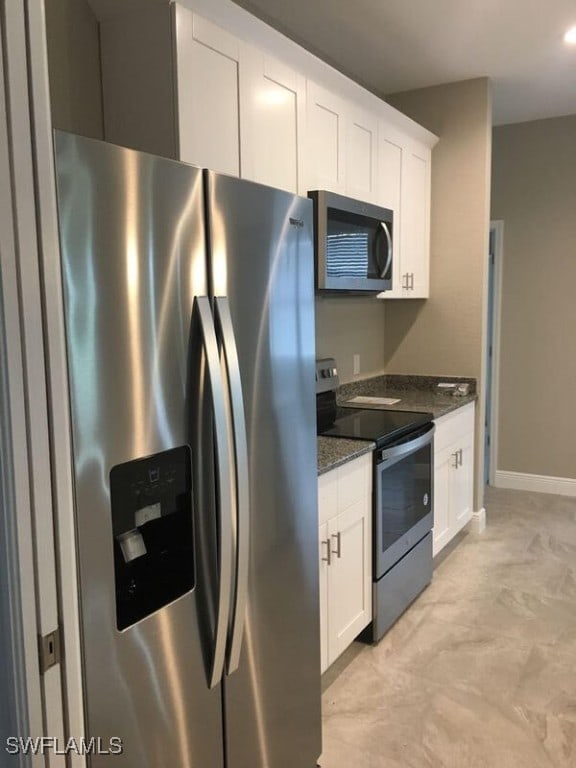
{"x":133,"y":258}
{"x":262,"y":259}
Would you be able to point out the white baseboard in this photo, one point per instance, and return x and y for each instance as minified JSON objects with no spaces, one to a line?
{"x":518,"y":481}
{"x":478,"y":521}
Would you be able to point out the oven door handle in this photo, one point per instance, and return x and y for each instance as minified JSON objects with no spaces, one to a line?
{"x":403,"y":450}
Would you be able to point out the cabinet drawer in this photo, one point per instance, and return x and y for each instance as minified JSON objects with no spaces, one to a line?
{"x":453,"y":426}
{"x":344,"y":486}
{"x":354,"y":481}
{"x":327,"y":495}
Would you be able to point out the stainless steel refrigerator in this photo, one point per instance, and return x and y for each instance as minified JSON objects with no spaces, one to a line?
{"x":190,"y":341}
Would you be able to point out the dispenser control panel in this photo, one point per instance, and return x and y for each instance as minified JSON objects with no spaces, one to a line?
{"x":151,"y":507}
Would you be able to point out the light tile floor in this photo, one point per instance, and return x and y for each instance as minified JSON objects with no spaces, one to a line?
{"x":480,"y":672}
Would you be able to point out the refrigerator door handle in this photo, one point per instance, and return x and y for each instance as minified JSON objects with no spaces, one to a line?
{"x":224,"y":322}
{"x":203,"y":312}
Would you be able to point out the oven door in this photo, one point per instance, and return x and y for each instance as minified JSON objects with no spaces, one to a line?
{"x":403,"y":511}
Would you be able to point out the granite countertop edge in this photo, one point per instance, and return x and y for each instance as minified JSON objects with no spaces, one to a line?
{"x":335,"y":451}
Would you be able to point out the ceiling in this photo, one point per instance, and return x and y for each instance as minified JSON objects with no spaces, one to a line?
{"x":397,"y":45}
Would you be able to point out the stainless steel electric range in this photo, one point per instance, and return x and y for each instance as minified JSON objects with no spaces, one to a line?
{"x":402,"y":498}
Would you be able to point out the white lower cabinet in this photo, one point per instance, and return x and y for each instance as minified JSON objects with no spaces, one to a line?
{"x":345,"y":552}
{"x":453,"y":474}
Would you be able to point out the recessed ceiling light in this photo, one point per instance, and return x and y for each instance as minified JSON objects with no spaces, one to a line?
{"x":570,"y":36}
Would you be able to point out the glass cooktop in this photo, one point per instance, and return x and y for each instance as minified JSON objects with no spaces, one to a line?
{"x":380,"y":426}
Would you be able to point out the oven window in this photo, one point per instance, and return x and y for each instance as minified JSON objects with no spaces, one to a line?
{"x":403,"y":495}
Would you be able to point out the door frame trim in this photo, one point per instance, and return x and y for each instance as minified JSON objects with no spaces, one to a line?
{"x":497,"y":227}
{"x":58,"y":403}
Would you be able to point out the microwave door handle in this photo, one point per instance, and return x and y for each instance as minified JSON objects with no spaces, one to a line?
{"x":203,"y":313}
{"x":224,"y":321}
{"x":386,"y":231}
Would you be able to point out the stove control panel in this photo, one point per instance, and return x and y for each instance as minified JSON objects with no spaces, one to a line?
{"x":326,"y":375}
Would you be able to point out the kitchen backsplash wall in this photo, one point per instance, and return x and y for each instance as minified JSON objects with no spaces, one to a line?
{"x":348,"y":326}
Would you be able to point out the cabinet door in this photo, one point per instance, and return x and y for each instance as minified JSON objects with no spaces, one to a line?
{"x":463,"y":484}
{"x":324,"y":544}
{"x":361,"y":155}
{"x":207,"y":67}
{"x":443,"y":468}
{"x":415,"y":226}
{"x":326,"y":129}
{"x":390,"y":153}
{"x":272,"y":101}
{"x":349,"y":580}
{"x":453,"y":474}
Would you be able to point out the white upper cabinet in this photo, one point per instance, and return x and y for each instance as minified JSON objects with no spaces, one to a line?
{"x":208,"y":93}
{"x":273,"y":104}
{"x":179,"y":85}
{"x":171,"y":86}
{"x":326,"y":140}
{"x":342,"y":145}
{"x":404,"y":186}
{"x":390,"y":150}
{"x":415,"y":223}
{"x":389,"y":191}
{"x":361,"y":155}
{"x":176,"y":84}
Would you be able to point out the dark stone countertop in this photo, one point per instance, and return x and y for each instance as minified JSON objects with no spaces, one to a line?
{"x":335,"y":451}
{"x":415,"y":393}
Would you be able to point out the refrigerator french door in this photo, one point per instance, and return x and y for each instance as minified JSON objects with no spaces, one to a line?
{"x":190,"y":341}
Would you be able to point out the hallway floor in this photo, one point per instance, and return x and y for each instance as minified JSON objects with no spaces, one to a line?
{"x":480,"y":672}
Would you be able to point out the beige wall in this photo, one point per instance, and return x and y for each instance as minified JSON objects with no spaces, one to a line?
{"x":350,"y":325}
{"x":74,"y":66}
{"x":534,"y":193}
{"x":445,"y":334}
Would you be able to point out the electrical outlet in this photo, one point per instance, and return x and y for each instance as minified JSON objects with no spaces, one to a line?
{"x":356,"y":364}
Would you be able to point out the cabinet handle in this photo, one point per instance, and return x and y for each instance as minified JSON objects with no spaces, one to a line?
{"x":460,"y":456}
{"x":328,"y":558}
{"x":455,"y":457}
{"x":411,"y":281}
{"x":405,"y":281}
{"x":338,"y":550}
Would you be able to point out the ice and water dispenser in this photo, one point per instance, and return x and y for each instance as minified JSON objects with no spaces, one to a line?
{"x":153,"y":534}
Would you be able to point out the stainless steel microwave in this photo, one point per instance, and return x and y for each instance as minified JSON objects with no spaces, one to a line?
{"x":353,"y":244}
